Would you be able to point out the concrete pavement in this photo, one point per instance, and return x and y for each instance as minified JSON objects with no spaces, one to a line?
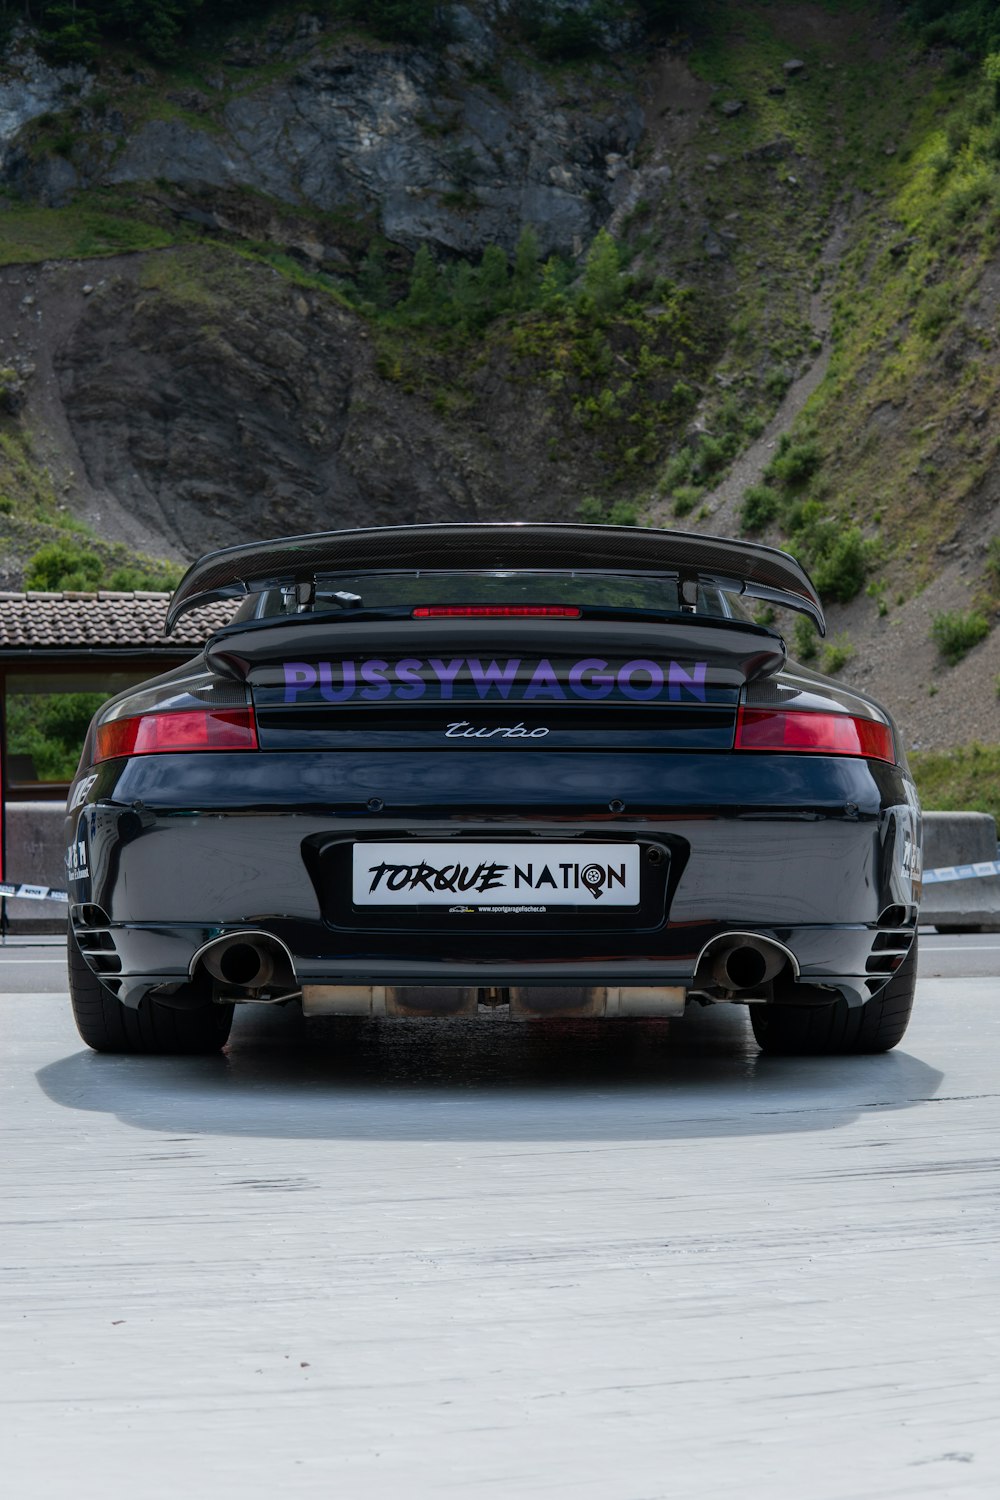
{"x":421,"y":1259}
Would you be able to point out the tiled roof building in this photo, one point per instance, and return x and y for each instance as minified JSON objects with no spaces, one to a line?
{"x":77,"y":623}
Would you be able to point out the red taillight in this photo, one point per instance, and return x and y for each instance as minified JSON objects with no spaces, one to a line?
{"x":495,"y":611}
{"x":179,"y":729}
{"x":815,"y":733}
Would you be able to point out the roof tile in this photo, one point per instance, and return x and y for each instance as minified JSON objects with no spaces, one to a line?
{"x":110,"y":619}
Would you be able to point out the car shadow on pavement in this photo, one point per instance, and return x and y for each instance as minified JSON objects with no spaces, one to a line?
{"x":284,"y":1077}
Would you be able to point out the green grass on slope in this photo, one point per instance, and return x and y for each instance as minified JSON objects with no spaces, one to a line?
{"x":806,"y":152}
{"x":87,"y":228}
{"x":41,"y":536}
{"x":26,"y":489}
{"x":906,"y":415}
{"x":964,"y":779}
{"x":907,"y":143}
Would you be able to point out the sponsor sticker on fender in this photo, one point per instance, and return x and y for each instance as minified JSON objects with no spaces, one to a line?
{"x":414,"y":873}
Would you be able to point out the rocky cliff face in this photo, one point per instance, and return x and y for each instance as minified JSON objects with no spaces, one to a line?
{"x":29,"y":87}
{"x":192,"y":398}
{"x":193,"y":388}
{"x":458,"y":146}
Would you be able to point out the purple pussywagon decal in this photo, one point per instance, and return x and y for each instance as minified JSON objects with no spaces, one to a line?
{"x":514,"y":680}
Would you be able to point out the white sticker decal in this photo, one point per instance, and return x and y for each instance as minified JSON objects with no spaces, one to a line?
{"x":413,"y":873}
{"x":76,"y":861}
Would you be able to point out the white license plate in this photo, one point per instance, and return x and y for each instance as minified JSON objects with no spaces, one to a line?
{"x":414,"y":873}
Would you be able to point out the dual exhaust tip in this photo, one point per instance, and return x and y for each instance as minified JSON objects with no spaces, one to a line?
{"x":743,"y":961}
{"x":735,"y":961}
{"x":248,"y":961}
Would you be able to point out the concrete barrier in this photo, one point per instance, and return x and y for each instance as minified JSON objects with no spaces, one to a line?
{"x":970,"y":905}
{"x":35,"y":856}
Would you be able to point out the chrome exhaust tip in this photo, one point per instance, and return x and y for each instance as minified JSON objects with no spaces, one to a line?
{"x":246,"y":961}
{"x":743,"y":961}
{"x":242,"y":964}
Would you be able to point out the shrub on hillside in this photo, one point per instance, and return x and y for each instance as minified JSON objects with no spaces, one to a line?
{"x":955,"y":633}
{"x":760,"y":507}
{"x":839,"y":572}
{"x":64,"y":565}
{"x":712,"y":454}
{"x":618,"y":513}
{"x":677,"y":469}
{"x":623,"y":513}
{"x":993,"y":563}
{"x":937,"y":309}
{"x":591,"y":510}
{"x":160,"y":578}
{"x":777,"y":381}
{"x":804,"y":639}
{"x":796,"y":460}
{"x":836,"y":654}
{"x":71,"y":566}
{"x":686,"y":497}
{"x":837,"y":559}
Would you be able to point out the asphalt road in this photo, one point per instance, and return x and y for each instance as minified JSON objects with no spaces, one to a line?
{"x":423,"y":1259}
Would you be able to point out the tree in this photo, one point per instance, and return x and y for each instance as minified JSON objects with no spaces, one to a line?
{"x":69,"y":33}
{"x":373,"y":279}
{"x":71,"y":29}
{"x":973,"y":25}
{"x":160,"y":25}
{"x":423,"y":297}
{"x":562,"y":33}
{"x":494,"y":271}
{"x":555,"y":279}
{"x":603,"y":283}
{"x":399,"y":20}
{"x":991,"y":72}
{"x":527,"y":270}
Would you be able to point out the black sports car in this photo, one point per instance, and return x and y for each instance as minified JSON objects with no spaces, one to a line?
{"x":428,"y":770}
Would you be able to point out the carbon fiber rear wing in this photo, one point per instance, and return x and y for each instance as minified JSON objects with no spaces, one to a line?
{"x":737,"y":567}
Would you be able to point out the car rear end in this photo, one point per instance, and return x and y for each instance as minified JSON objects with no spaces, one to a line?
{"x":580,"y":792}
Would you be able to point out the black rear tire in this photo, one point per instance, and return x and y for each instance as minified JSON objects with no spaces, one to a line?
{"x":839,"y":1028}
{"x":155,"y":1029}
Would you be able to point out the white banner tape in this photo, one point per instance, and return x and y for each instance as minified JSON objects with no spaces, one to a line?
{"x":945,"y":873}
{"x":32,"y":892}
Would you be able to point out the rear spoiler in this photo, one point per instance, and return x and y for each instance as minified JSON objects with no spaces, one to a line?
{"x":736,"y":566}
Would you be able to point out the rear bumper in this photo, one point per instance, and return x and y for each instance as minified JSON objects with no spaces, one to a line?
{"x":816,"y":852}
{"x":844,"y":957}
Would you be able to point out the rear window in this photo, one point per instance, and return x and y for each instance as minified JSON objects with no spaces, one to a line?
{"x":409,"y":589}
